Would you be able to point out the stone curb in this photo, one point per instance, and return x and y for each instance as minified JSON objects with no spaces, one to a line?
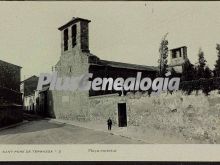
{"x":13,"y":125}
{"x":112,"y":133}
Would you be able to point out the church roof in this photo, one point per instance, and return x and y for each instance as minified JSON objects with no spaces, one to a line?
{"x":115,"y":64}
{"x":72,"y":21}
{"x":129,"y":66}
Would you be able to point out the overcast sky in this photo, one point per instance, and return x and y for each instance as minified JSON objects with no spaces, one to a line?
{"x":120,"y":31}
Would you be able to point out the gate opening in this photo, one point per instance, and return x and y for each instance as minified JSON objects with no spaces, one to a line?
{"x":122,"y":115}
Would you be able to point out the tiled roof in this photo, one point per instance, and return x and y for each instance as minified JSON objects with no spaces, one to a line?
{"x":72,"y":21}
{"x":10,"y":63}
{"x":30,"y":78}
{"x":125,"y":65}
{"x":129,"y":66}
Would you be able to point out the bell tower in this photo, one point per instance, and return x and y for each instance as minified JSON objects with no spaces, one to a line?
{"x":177,"y":58}
{"x":75,"y":36}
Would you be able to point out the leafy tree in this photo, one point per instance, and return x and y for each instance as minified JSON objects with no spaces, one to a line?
{"x":163,"y":56}
{"x":173,"y":73}
{"x":188,"y":73}
{"x":200,"y":70}
{"x":217,"y":65}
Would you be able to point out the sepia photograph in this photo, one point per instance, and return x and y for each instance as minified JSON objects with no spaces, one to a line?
{"x":109,"y":73}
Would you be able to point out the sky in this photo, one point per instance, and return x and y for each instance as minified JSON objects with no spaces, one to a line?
{"x":120,"y":31}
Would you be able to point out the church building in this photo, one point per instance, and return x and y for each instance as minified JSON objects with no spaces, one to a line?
{"x":75,"y":60}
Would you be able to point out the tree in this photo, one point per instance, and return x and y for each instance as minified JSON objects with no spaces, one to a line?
{"x":173,"y":73}
{"x":207,"y":72}
{"x":201,"y":65}
{"x":207,"y":84}
{"x":217,"y":65}
{"x":163,"y":50}
{"x":188,"y":73}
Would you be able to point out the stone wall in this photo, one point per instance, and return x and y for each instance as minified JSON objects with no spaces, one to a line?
{"x":194,"y":116}
{"x":70,"y":105}
{"x":78,"y":106}
{"x":103,"y":107}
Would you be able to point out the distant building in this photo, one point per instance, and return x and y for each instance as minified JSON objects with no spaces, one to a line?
{"x":10,"y":96}
{"x":177,"y":58}
{"x":29,"y":95}
{"x":10,"y":83}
